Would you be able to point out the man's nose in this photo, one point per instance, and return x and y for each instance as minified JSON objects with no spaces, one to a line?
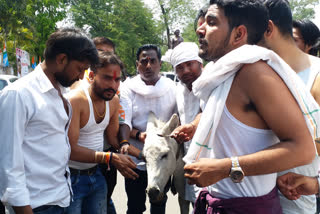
{"x":201,"y":31}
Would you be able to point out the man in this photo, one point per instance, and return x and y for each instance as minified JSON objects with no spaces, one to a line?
{"x":188,"y":67}
{"x":306,"y":35}
{"x":240,"y":137}
{"x":34,"y":118}
{"x":102,"y":44}
{"x":278,"y":37}
{"x":95,"y":109}
{"x":177,"y":39}
{"x":145,"y":93}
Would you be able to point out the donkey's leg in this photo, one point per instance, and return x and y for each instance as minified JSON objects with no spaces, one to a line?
{"x":184,"y":205}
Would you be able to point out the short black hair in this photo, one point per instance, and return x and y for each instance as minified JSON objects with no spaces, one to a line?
{"x":201,"y":14}
{"x":103,"y":41}
{"x":250,"y":13}
{"x":147,"y":47}
{"x":280,"y":14}
{"x":72,"y":42}
{"x":309,"y":31}
{"x":105,"y":59}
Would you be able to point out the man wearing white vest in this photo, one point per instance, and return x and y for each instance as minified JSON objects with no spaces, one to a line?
{"x":95,"y":113}
{"x":278,"y":37}
{"x":256,"y":121}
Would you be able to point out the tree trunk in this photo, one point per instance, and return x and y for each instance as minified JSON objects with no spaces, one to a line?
{"x":166,"y":23}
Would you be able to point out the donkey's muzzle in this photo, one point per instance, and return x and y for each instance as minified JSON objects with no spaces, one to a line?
{"x":155,"y":195}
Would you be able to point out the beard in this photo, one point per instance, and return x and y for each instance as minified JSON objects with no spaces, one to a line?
{"x":101,"y":92}
{"x":62,"y":78}
{"x":219,"y":51}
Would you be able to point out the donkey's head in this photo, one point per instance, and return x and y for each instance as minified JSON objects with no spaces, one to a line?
{"x":160,"y":152}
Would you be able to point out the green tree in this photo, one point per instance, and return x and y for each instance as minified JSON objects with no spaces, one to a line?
{"x":303,"y":9}
{"x":44,"y":15}
{"x":26,"y":24}
{"x":128,"y":23}
{"x":174,"y":14}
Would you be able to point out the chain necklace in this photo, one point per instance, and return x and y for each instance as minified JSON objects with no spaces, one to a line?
{"x":95,"y":110}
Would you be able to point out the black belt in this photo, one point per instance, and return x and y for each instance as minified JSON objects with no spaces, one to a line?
{"x":89,"y":171}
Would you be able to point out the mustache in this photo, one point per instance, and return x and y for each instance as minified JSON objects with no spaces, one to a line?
{"x":110,"y":89}
{"x":203,"y":41}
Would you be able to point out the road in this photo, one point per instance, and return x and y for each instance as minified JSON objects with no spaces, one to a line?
{"x":119,"y":198}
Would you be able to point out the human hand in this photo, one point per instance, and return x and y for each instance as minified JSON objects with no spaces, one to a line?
{"x":125,"y":165}
{"x":293,"y":185}
{"x":142,"y":136}
{"x":124,"y":149}
{"x":184,"y":133}
{"x":207,"y":171}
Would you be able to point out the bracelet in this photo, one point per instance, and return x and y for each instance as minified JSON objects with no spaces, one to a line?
{"x":138,"y":135}
{"x":124,"y":143}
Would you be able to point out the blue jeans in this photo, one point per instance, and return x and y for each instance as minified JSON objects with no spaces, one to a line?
{"x":89,"y":194}
{"x":49,"y":209}
{"x":136,"y":193}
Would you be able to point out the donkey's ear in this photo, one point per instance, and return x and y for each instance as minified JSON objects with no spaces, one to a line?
{"x":171,"y":124}
{"x":152,"y":121}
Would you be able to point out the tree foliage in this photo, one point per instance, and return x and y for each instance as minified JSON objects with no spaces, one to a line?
{"x":128,"y":23}
{"x":26,"y":24}
{"x":303,"y":9}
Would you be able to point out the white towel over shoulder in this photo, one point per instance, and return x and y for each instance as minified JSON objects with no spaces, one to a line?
{"x":215,"y":82}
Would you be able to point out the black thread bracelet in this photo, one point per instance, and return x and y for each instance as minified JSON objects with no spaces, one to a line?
{"x":138,"y":135}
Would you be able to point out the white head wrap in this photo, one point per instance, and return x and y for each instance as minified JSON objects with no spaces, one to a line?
{"x":185,"y":51}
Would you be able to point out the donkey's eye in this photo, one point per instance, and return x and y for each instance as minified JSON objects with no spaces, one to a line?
{"x":164,"y":156}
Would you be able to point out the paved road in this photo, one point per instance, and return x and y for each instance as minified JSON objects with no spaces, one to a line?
{"x":120,"y":199}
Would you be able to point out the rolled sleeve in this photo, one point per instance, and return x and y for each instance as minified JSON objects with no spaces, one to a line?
{"x":13,"y":120}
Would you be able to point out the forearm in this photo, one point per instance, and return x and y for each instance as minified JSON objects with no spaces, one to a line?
{"x":280,"y":157}
{"x":23,"y":210}
{"x":135,"y":133}
{"x":82,"y":154}
{"x":124,"y":132}
{"x":196,"y":120}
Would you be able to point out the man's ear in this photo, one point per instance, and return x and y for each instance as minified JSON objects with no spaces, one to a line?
{"x":61,"y":59}
{"x":270,"y":29}
{"x":307,"y":48}
{"x":239,"y":35}
{"x":137,"y":63}
{"x":91,"y":75}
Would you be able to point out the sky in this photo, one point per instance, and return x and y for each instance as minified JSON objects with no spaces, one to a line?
{"x":317,"y":16}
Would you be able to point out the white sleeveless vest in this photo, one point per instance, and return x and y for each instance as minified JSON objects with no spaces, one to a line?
{"x":91,"y":135}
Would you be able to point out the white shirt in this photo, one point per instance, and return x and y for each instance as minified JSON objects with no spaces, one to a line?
{"x":188,"y":108}
{"x":34,"y":146}
{"x":139,"y":99}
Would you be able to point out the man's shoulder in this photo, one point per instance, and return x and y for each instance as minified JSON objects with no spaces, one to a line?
{"x":77,"y":96}
{"x":315,"y":62}
{"x":258,"y":68}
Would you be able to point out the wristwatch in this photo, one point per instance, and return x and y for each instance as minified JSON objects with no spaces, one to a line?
{"x":236,"y":173}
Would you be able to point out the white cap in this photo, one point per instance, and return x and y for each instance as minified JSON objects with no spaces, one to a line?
{"x":185,"y":51}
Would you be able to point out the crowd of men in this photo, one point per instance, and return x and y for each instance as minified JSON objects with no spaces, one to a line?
{"x":249,"y":118}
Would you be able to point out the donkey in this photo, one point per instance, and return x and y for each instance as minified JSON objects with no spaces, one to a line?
{"x":163,"y":157}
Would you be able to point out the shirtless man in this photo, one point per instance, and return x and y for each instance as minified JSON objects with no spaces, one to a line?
{"x":250,"y":138}
{"x":95,"y":110}
{"x":278,"y":37}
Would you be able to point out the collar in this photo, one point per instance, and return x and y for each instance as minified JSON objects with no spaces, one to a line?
{"x":45,"y":84}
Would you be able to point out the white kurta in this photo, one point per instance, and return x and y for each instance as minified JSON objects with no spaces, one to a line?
{"x":138,"y":99}
{"x":188,"y":108}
